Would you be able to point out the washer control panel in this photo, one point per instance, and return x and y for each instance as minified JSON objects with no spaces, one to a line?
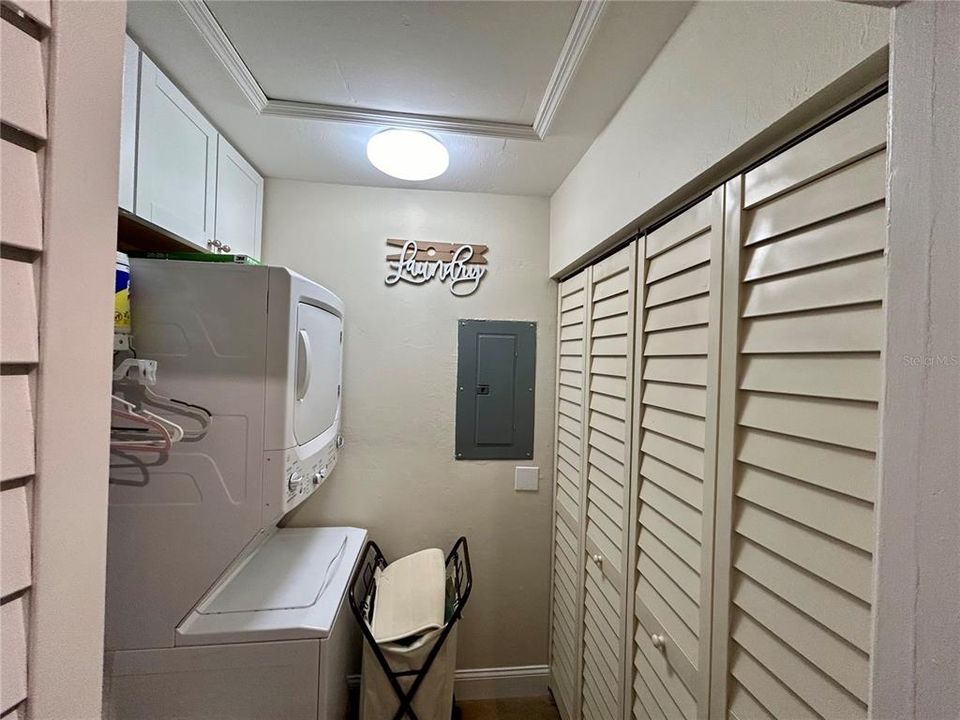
{"x":302,"y":477}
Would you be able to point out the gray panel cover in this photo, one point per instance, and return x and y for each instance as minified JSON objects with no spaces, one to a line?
{"x":496,"y":373}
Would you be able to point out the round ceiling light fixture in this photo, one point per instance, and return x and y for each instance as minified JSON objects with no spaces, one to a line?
{"x":408,"y":154}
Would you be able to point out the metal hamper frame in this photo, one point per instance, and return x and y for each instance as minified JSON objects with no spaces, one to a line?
{"x":362,"y":598}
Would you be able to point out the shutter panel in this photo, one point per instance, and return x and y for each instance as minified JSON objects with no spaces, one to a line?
{"x":802,"y":337}
{"x":567,"y":579}
{"x":678,"y":311}
{"x":606,"y":502}
{"x":23,"y":106}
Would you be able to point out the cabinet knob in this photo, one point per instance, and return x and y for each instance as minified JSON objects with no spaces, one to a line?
{"x":598,"y":559}
{"x":658,"y":641}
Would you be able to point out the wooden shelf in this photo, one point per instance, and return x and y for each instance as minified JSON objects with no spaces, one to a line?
{"x":134,"y":234}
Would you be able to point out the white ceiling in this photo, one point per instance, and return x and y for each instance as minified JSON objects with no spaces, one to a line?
{"x":488,"y":60}
{"x":488,"y":70}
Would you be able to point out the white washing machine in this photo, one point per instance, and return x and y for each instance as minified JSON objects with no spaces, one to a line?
{"x":273,"y":639}
{"x":212,"y":610}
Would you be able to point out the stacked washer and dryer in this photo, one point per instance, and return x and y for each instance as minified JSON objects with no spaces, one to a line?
{"x":213,"y":611}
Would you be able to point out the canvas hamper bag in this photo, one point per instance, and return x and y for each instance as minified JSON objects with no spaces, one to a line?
{"x":409,"y":613}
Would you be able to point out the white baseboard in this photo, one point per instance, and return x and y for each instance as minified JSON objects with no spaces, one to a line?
{"x":506,"y":682}
{"x":494,"y":683}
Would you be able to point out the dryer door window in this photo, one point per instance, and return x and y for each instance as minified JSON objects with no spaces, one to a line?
{"x":317,"y":379}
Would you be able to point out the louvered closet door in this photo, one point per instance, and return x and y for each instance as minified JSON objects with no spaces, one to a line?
{"x":679,"y":310}
{"x":567,"y":549}
{"x":606,"y":501}
{"x":803,"y":326}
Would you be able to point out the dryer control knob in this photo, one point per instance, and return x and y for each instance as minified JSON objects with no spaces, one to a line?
{"x":294,"y":482}
{"x":323,"y":473}
{"x":317,"y":477}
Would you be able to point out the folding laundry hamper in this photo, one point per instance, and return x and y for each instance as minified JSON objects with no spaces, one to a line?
{"x":411,"y":679}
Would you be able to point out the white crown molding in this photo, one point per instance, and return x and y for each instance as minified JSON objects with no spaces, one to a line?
{"x":574,"y":46}
{"x":585,"y":22}
{"x":368,"y":116}
{"x":223,"y":48}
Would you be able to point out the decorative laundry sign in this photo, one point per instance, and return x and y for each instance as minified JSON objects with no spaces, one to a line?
{"x":462,"y":265}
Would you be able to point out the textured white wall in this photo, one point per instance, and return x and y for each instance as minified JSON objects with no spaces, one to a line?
{"x":730,"y":71}
{"x":917,"y":619}
{"x":397,"y":475}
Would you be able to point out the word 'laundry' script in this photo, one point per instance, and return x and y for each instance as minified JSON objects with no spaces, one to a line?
{"x":461,"y":265}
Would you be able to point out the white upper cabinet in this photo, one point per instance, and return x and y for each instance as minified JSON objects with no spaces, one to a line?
{"x":239,"y":215}
{"x":176,"y":160}
{"x":128,"y":124}
{"x":177,"y":171}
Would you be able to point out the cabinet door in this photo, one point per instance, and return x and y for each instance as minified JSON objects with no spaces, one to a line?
{"x":679,"y":310}
{"x":176,"y":160}
{"x":606,"y":503}
{"x":800,"y":386}
{"x":239,"y":203}
{"x":565,"y":637}
{"x":128,"y":125}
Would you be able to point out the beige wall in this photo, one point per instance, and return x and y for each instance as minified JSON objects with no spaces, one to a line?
{"x":397,"y":475}
{"x":59,"y":237}
{"x":729,"y":73}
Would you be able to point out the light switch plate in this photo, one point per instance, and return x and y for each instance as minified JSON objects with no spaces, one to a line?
{"x":526,"y":478}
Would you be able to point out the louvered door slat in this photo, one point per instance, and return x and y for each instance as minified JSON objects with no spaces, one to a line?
{"x":603,"y":643}
{"x":690,"y":399}
{"x":783,"y":667}
{"x":856,"y":233}
{"x":656,"y":670}
{"x":803,"y":329}
{"x":841,"y":613}
{"x":857,"y":185}
{"x":834,"y":657}
{"x":678,"y":309}
{"x":844,"y":377}
{"x":607,"y":500}
{"x":601,"y":591}
{"x":834,"y":467}
{"x":678,"y":370}
{"x":685,"y":547}
{"x":610,"y":486}
{"x":743,"y":706}
{"x":645,"y":705}
{"x":683,"y":486}
{"x":566,"y":632}
{"x":606,"y":505}
{"x":841,"y":517}
{"x":683,"y":313}
{"x":607,"y":424}
{"x":607,"y":625}
{"x":855,"y":136}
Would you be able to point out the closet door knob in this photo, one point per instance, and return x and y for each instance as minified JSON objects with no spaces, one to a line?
{"x":598,"y":559}
{"x":658,"y":641}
